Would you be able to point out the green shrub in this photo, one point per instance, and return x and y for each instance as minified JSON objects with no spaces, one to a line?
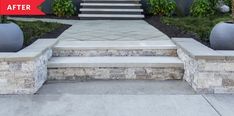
{"x":162,"y":7}
{"x":228,"y":2}
{"x":63,"y":8}
{"x":202,"y":8}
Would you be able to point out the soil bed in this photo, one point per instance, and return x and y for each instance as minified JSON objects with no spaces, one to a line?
{"x":38,"y":29}
{"x":50,"y":16}
{"x":172,"y":31}
{"x":51,"y":35}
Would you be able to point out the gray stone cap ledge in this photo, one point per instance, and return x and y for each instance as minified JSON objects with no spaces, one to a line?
{"x":114,"y":45}
{"x":199,"y":51}
{"x":29,"y":53}
{"x":68,"y":62}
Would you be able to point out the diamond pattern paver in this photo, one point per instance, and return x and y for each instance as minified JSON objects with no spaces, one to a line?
{"x":104,"y":30}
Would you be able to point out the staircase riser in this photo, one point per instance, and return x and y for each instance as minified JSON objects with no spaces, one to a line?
{"x":101,"y":12}
{"x":113,"y":7}
{"x":111,"y":18}
{"x":131,"y":2}
{"x":113,"y":73}
{"x":86,"y":53}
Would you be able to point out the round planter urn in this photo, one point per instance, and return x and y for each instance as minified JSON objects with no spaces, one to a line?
{"x":222,"y":36}
{"x":11,"y":37}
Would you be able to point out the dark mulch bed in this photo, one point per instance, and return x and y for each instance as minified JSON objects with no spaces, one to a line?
{"x":51,"y":35}
{"x":172,"y":31}
{"x":50,"y":16}
{"x":57,"y":32}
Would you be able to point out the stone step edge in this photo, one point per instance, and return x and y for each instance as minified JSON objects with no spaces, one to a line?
{"x":111,"y":16}
{"x":89,"y":62}
{"x":109,"y":4}
{"x":110,"y":10}
{"x":115,"y":45}
{"x":111,"y":0}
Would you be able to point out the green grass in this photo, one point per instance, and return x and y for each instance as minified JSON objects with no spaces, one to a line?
{"x":35,"y":29}
{"x":201,"y":26}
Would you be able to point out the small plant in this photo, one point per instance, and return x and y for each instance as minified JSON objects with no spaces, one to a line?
{"x":162,"y":7}
{"x":63,"y":8}
{"x":3,"y":19}
{"x":202,"y":8}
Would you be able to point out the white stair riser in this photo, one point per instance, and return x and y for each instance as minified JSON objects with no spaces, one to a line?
{"x":110,"y":10}
{"x":108,"y":4}
{"x":113,"y":13}
{"x":111,"y":0}
{"x":114,"y":2}
{"x":110,"y":16}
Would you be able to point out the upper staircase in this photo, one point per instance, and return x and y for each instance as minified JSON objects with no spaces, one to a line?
{"x":111,"y":9}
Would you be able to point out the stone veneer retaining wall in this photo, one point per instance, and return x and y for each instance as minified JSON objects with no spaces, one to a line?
{"x":25,"y":72}
{"x":206,"y":70}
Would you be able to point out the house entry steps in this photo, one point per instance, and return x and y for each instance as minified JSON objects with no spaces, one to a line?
{"x":111,"y":9}
{"x":131,"y":60}
{"x":112,"y":50}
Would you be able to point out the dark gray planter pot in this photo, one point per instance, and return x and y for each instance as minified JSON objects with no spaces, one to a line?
{"x":222,"y":36}
{"x":11,"y":37}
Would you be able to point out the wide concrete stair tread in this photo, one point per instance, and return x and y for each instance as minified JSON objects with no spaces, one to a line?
{"x":111,"y":10}
{"x":117,"y":87}
{"x":111,"y":16}
{"x":82,"y":45}
{"x":108,"y":4}
{"x":61,"y":62}
{"x":111,"y":0}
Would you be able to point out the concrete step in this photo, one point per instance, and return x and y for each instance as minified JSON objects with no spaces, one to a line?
{"x":112,"y":0}
{"x":109,"y":10}
{"x":108,"y":4}
{"x":110,"y":16}
{"x":114,"y":48}
{"x":84,"y":68}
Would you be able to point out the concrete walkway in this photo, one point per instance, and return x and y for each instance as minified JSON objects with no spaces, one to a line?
{"x":112,"y":30}
{"x":117,"y":98}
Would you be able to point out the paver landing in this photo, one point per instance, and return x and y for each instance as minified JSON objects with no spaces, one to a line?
{"x":112,"y":30}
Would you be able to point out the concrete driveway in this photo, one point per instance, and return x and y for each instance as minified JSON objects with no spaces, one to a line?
{"x":117,"y":98}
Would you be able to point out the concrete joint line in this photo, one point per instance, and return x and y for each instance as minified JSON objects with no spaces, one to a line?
{"x":212,"y":105}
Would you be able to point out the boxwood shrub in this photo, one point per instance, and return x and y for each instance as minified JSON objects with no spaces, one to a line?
{"x":63,"y":8}
{"x":162,"y":7}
